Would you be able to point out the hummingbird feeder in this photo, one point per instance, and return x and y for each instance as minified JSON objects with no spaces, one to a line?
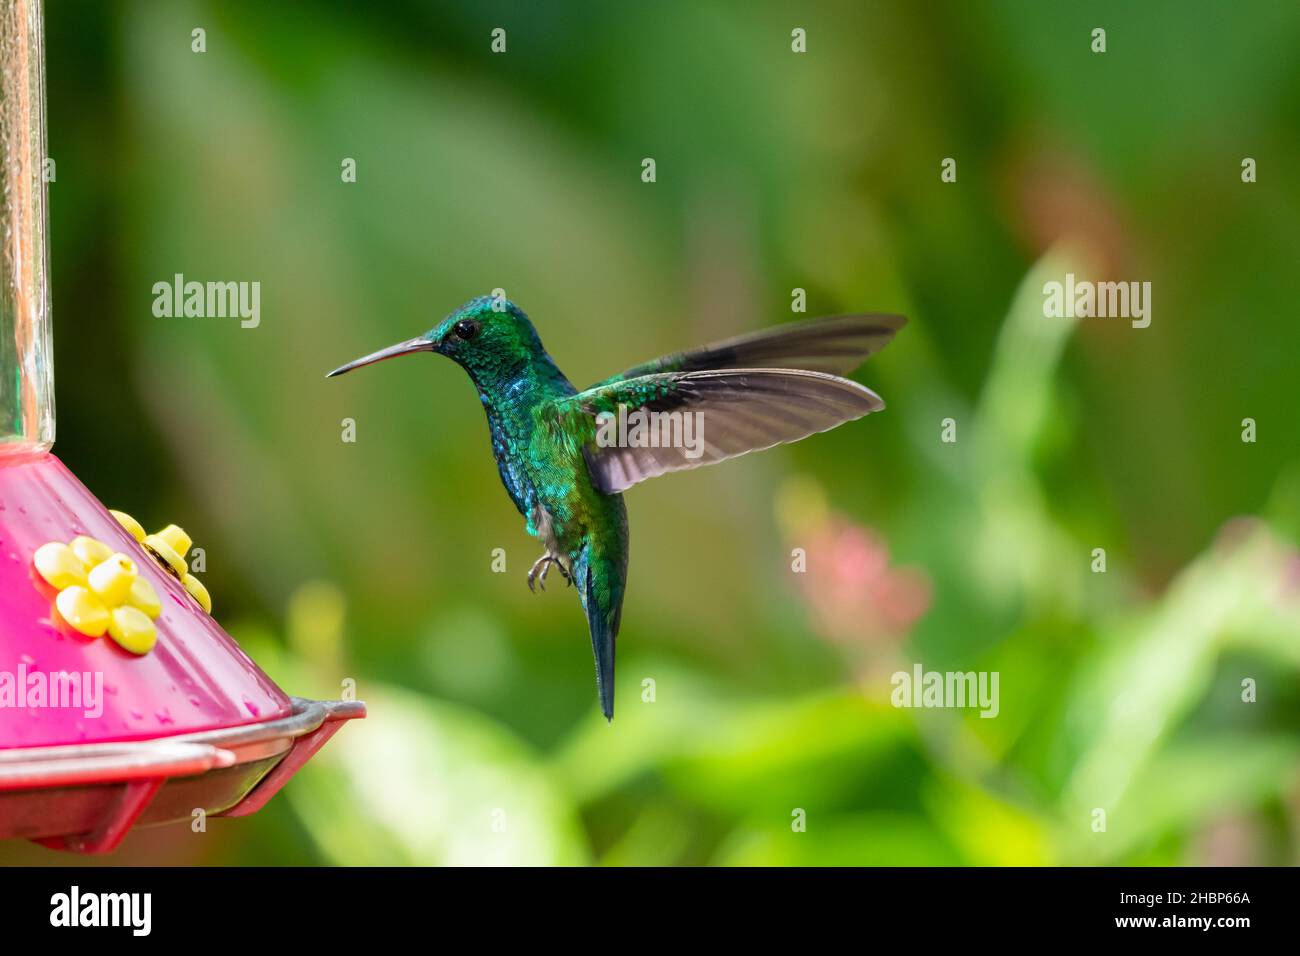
{"x":122,"y":701}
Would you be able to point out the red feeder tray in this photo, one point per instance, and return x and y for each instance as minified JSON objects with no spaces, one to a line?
{"x":146,"y":739}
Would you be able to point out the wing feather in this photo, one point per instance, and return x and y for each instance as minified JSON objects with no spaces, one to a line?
{"x":737,"y":411}
{"x":835,"y":345}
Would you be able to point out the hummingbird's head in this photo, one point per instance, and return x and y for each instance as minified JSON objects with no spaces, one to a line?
{"x":489,"y":337}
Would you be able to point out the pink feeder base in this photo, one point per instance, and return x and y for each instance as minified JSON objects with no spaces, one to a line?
{"x":192,"y":724}
{"x":196,"y":678}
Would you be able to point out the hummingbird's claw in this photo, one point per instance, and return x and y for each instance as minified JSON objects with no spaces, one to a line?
{"x":542,"y":567}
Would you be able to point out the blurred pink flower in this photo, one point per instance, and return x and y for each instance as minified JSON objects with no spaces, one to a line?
{"x":853,"y":594}
{"x":1278,"y":559}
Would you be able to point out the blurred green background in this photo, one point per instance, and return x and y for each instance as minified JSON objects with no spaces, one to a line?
{"x":371,"y":561}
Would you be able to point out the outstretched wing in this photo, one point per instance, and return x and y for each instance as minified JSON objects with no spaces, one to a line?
{"x":835,"y":345}
{"x":724,"y":413}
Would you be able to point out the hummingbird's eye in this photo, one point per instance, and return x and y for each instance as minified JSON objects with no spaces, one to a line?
{"x":467,"y":329}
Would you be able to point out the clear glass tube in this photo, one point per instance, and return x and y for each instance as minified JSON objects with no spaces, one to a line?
{"x":26,"y":357}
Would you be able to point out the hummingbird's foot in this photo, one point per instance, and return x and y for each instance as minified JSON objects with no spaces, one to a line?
{"x":543,"y":566}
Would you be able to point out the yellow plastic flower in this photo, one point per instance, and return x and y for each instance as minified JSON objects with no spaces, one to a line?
{"x":169,"y":547}
{"x":100,"y":592}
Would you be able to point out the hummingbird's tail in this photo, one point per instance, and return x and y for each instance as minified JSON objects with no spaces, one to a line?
{"x":600,"y":577}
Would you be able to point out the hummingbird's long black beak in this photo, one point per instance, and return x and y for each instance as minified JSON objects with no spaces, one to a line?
{"x":401,"y":348}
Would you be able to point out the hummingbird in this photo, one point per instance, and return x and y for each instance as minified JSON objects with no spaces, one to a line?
{"x":565,"y":467}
